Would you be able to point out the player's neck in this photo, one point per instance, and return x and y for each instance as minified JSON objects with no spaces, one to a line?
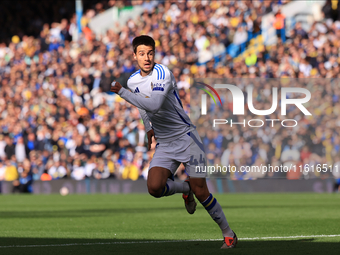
{"x":143,"y":74}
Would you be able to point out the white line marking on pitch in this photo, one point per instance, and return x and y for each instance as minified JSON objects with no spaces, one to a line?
{"x":163,"y":241}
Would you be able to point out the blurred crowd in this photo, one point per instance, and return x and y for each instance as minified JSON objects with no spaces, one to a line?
{"x":58,"y":120}
{"x":304,"y":54}
{"x":306,"y":150}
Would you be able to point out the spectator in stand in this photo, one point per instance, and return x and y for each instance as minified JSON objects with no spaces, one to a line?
{"x":240,"y":36}
{"x":2,"y":171}
{"x":97,"y":147}
{"x":279,"y":25}
{"x":298,"y":30}
{"x":11,"y":174}
{"x":327,"y":10}
{"x":20,"y":150}
{"x":130,"y":171}
{"x":10,"y":147}
{"x":101,"y":171}
{"x":57,"y":170}
{"x":78,"y":172}
{"x":2,"y":147}
{"x":25,"y":179}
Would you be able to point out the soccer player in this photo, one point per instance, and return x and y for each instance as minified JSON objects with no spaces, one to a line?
{"x":154,"y":92}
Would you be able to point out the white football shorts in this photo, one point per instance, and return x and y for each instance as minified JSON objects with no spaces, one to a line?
{"x":187,"y":149}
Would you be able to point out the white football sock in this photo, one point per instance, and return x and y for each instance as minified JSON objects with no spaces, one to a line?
{"x":215,"y":211}
{"x":173,"y":187}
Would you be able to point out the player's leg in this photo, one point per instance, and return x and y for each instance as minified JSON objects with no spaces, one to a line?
{"x":160,"y":183}
{"x":189,"y":199}
{"x":201,"y":191}
{"x":156,"y":182}
{"x":162,"y":168}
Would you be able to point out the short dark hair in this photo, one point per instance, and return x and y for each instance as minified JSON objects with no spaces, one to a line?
{"x":143,"y":40}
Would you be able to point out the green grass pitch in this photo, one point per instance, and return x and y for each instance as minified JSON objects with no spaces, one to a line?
{"x":99,"y":224}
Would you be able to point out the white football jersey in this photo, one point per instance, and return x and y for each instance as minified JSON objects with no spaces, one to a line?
{"x":157,"y":95}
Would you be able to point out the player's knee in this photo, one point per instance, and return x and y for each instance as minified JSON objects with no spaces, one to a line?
{"x":155,"y":191}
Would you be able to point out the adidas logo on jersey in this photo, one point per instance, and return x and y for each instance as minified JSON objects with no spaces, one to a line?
{"x":136,"y":90}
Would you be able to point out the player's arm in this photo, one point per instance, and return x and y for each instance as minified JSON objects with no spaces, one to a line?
{"x":145,"y":119}
{"x":151,"y":104}
{"x":149,"y":131}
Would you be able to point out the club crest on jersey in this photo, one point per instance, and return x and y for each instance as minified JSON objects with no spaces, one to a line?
{"x":158,"y":86}
{"x":151,"y":86}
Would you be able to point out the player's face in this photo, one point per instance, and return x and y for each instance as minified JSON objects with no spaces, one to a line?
{"x":145,"y":57}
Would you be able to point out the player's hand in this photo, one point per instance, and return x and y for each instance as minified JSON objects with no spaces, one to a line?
{"x":115,"y":87}
{"x":150,"y":134}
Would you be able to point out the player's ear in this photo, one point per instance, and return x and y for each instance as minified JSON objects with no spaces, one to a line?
{"x":134,"y":56}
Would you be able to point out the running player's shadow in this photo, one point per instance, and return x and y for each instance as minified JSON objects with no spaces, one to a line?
{"x":51,"y":246}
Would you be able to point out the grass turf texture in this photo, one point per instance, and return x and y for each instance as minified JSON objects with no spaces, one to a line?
{"x":53,"y":219}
